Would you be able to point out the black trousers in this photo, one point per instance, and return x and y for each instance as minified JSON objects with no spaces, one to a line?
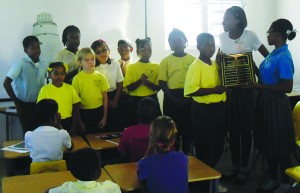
{"x":26,"y":113}
{"x":91,"y":119}
{"x":208,"y":131}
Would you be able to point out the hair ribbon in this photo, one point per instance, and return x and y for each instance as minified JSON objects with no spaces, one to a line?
{"x":288,"y":32}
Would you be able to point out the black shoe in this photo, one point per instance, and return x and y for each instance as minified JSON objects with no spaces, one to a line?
{"x":241,"y":178}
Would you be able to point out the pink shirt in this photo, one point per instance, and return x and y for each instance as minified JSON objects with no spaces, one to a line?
{"x":134,"y":142}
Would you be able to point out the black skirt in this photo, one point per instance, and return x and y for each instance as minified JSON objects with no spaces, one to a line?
{"x":240,"y":109}
{"x":274,"y":133}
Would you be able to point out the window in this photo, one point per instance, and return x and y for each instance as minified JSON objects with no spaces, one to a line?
{"x":196,"y":16}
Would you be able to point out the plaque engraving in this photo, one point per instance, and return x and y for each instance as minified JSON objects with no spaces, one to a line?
{"x":237,"y":69}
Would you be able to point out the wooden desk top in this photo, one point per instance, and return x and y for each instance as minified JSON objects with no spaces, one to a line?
{"x":126,"y":174}
{"x":78,"y":143}
{"x":39,"y":183}
{"x":99,"y":144}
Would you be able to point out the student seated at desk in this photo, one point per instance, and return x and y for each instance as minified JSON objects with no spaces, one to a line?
{"x":46,"y":142}
{"x":134,"y":141}
{"x":164,"y":170}
{"x":84,"y":165}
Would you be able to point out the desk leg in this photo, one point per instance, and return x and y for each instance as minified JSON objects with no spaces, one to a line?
{"x":213,"y":186}
{"x":7,"y":127}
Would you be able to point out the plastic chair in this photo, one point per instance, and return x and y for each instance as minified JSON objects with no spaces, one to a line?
{"x":296,"y":119}
{"x":44,"y":167}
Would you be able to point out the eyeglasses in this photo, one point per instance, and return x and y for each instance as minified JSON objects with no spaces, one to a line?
{"x":104,"y":50}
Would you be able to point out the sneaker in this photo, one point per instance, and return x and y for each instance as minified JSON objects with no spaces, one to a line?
{"x":222,"y":188}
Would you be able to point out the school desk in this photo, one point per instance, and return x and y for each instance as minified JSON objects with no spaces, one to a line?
{"x":126,"y":175}
{"x":3,"y":110}
{"x":78,"y":143}
{"x":100,"y":144}
{"x":39,"y":183}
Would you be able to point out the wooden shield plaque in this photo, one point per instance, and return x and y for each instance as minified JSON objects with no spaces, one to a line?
{"x":237,"y":69}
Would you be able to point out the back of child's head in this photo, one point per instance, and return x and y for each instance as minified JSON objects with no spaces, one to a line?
{"x":203,"y":38}
{"x":284,"y":27}
{"x":28,"y":40}
{"x":162,"y":133}
{"x":46,"y":110}
{"x":239,"y":14}
{"x":98,"y":43}
{"x":147,"y":110}
{"x":124,"y":42}
{"x":85,"y":164}
{"x":140,"y":43}
{"x":176,"y":33}
{"x":69,"y":29}
{"x":83,"y":52}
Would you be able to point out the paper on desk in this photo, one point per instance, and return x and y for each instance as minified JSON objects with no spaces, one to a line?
{"x":19,"y":148}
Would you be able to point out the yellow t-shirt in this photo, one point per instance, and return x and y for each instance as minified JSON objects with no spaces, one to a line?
{"x":134,"y":72}
{"x":173,"y":70}
{"x":202,"y":75}
{"x":89,"y":88}
{"x":65,"y":96}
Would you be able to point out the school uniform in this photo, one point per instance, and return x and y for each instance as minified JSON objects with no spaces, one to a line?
{"x":173,"y":71}
{"x":28,"y":78}
{"x":87,"y":187}
{"x":67,"y":57}
{"x":46,"y":143}
{"x":113,"y":74}
{"x":207,"y":112}
{"x":89,"y":87}
{"x":133,"y":74}
{"x":65,"y":96}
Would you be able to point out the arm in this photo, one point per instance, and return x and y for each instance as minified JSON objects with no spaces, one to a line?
{"x":263,"y":50}
{"x":284,"y":86}
{"x":133,"y":86}
{"x":114,"y":102}
{"x":150,"y":85}
{"x":7,"y":85}
{"x":77,"y":124}
{"x":105,"y":107}
{"x":163,"y":85}
{"x":207,"y":91}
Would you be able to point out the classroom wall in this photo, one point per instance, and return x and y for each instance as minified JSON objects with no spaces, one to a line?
{"x":113,"y":19}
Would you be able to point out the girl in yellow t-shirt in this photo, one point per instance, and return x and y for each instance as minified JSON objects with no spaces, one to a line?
{"x":66,"y":97}
{"x":141,"y":79}
{"x":171,"y":76}
{"x":91,"y":87}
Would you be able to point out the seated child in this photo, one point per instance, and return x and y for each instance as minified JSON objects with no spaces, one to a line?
{"x":46,"y":142}
{"x":164,"y":170}
{"x":134,"y":141}
{"x":84,"y":164}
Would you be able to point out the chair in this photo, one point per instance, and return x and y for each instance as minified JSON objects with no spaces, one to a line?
{"x":44,"y":167}
{"x":296,"y":119}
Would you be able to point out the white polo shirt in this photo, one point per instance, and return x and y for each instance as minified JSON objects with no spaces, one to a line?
{"x":46,"y":143}
{"x":112,"y":73}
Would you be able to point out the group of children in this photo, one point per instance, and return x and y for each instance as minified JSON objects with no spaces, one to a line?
{"x":106,"y":93}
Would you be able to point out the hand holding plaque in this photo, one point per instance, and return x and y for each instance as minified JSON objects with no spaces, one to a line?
{"x":237,"y":69}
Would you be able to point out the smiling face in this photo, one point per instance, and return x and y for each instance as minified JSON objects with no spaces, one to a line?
{"x":124,"y":51}
{"x":33,"y":51}
{"x":88,"y":63}
{"x":144,"y":52}
{"x":102,"y":54}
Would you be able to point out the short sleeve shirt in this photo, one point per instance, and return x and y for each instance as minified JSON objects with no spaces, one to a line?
{"x":133,"y":74}
{"x":65,"y":96}
{"x":87,"y":187}
{"x":112,"y":73}
{"x":67,"y":57}
{"x":46,"y":143}
{"x":89,"y":88}
{"x":276,"y":66}
{"x":246,"y":43}
{"x":202,"y":75}
{"x":173,"y":70}
{"x":27,"y":78}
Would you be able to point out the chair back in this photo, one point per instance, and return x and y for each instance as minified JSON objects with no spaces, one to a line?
{"x":51,"y":166}
{"x":296,"y":118}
